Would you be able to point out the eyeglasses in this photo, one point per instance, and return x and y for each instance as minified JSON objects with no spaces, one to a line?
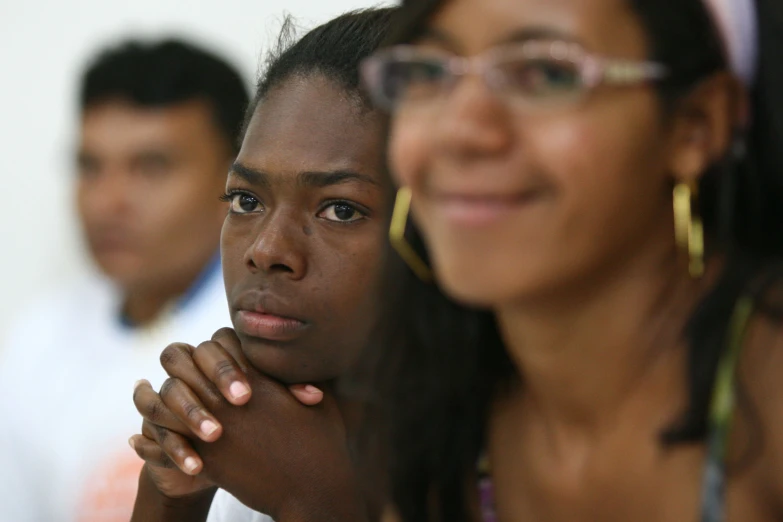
{"x":535,"y":73}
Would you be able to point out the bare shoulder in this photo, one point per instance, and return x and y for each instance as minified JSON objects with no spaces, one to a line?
{"x":760,"y":401}
{"x":389,"y":515}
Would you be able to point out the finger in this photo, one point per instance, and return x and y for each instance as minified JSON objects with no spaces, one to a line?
{"x":177,"y":360}
{"x":223,"y":371}
{"x":149,"y":404}
{"x":307,"y":394}
{"x":149,"y":451}
{"x":187,"y":407}
{"x":227,"y":338}
{"x":175,"y":354}
{"x":176,"y":447}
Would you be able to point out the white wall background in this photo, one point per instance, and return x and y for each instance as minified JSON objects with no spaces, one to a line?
{"x":43,"y":47}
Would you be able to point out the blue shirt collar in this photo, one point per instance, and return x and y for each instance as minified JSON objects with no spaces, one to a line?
{"x":213,"y":269}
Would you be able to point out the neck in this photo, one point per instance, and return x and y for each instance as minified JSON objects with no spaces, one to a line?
{"x":583,"y":356}
{"x":142,"y":307}
{"x":144,"y":302}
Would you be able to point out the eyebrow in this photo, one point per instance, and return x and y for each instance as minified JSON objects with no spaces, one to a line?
{"x":337,"y":177}
{"x":314,"y":179}
{"x":537,"y":33}
{"x":519,"y":36}
{"x":252,"y":176}
{"x":83,"y":156}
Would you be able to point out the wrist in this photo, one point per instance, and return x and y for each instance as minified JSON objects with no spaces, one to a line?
{"x":154,"y":505}
{"x":331,"y":512}
{"x":324,"y":504}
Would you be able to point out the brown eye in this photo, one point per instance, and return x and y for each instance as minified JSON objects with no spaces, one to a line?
{"x":413,"y":78}
{"x":242,"y":203}
{"x":542,"y":77}
{"x":341,"y":213}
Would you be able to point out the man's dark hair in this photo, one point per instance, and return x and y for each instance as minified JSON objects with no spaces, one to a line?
{"x":168,"y":72}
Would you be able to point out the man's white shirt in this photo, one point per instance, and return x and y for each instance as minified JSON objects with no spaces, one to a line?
{"x":226,"y":508}
{"x":66,"y":381}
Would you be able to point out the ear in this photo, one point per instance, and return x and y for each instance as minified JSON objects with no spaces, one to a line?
{"x":704,"y":122}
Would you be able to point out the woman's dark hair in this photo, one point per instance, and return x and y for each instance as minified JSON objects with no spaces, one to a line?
{"x":168,"y":72}
{"x":334,"y":49}
{"x":436,"y":367}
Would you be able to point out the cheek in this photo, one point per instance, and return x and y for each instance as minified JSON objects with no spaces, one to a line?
{"x":409,"y":150}
{"x":178,"y":215}
{"x":604,"y":167}
{"x":82,"y":202}
{"x":348,"y":273}
{"x":605,"y":186}
{"x":611,"y":188}
{"x":183,"y":200}
{"x":234,"y":243}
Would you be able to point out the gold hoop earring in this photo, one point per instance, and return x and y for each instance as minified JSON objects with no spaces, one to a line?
{"x":688,"y":228}
{"x":399,"y":223}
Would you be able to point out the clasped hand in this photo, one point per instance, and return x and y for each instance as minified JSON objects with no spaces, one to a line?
{"x":219,"y":422}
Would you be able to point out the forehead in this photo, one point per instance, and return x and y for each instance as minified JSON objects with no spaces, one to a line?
{"x":602,"y":26}
{"x":118,"y":126}
{"x":310,"y":124}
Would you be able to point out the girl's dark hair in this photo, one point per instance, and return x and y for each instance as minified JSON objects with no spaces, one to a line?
{"x":436,"y":366}
{"x":334,"y":49}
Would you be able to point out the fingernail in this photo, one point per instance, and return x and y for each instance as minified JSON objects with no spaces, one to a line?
{"x":138,"y":383}
{"x":311,"y":389}
{"x":190,"y":464}
{"x":132,"y":443}
{"x":238,"y":390}
{"x":208,"y":427}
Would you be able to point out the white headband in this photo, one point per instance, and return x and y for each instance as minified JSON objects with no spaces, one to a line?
{"x":737,"y":22}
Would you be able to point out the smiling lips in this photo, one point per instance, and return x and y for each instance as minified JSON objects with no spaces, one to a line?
{"x":472,"y":210}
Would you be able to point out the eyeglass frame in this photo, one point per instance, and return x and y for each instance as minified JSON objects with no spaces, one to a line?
{"x":593,"y":69}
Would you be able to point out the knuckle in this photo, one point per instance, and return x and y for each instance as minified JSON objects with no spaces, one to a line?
{"x":168,"y":386}
{"x":224,"y":369}
{"x":204,"y":346}
{"x":154,"y":411}
{"x":192,"y":411}
{"x":173,"y":354}
{"x":169,"y":355}
{"x":224,"y":333}
{"x":166,"y":462}
{"x":162,"y":434}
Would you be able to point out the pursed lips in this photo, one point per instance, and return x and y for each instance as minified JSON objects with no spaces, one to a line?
{"x":263,"y":316}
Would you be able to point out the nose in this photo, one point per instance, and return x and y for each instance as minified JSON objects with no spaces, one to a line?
{"x":474,"y":121}
{"x":107,"y":195}
{"x":279,"y":247}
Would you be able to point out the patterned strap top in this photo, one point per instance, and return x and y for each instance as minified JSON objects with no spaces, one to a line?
{"x":720,"y":419}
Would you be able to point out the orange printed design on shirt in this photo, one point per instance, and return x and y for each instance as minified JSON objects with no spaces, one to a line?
{"x":110,"y":491}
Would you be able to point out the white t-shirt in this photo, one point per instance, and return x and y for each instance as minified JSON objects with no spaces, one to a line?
{"x":226,"y":508}
{"x":66,"y":384}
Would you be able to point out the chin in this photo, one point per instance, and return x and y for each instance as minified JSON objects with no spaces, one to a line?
{"x":124,"y":270}
{"x":470,"y":290}
{"x":487,"y":281}
{"x":287,"y":364}
{"x":468,"y":278}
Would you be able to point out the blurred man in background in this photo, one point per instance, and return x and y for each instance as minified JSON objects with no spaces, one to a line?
{"x":159,"y":128}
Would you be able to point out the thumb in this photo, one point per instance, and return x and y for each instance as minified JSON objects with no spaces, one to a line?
{"x":307,"y":394}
